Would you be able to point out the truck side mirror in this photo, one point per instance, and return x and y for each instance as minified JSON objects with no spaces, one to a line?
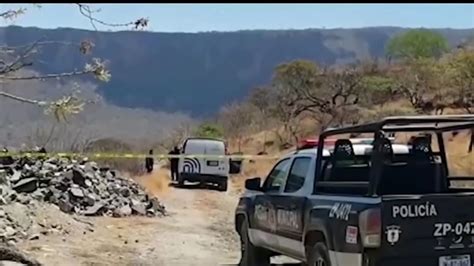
{"x":253,"y":184}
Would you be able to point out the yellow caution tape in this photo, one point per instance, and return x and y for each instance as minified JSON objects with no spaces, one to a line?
{"x":136,"y":155}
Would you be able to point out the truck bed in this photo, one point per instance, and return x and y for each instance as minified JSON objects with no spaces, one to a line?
{"x":427,"y":229}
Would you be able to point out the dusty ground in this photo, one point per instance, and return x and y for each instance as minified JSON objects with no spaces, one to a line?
{"x":198,"y":231}
{"x":198,"y":228}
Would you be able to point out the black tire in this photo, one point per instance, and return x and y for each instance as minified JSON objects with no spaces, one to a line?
{"x":222,"y":186}
{"x":318,"y":255}
{"x":251,"y":255}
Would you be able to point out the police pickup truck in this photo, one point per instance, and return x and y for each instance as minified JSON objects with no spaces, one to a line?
{"x":353,"y":202}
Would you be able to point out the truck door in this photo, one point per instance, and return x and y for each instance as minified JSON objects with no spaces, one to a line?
{"x":290,"y":206}
{"x":265,"y":220}
{"x":213,"y":165}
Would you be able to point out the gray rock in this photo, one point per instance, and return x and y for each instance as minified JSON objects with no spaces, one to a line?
{"x":12,"y":196}
{"x":40,"y":194}
{"x":150,"y":212}
{"x":94,"y":210}
{"x":49,"y":166}
{"x":15,"y":177}
{"x":23,"y":199}
{"x":74,"y":187}
{"x":123,"y":211}
{"x":94,"y":165}
{"x":113,"y":188}
{"x":90,"y":175}
{"x":78,"y":177}
{"x":90,"y":199}
{"x":65,"y":206}
{"x":34,"y":237}
{"x":2,"y":200}
{"x":27,"y":185}
{"x":124,"y":191}
{"x":76,"y":192}
{"x":139,"y":208}
{"x":26,"y":167}
{"x":43,"y":173}
{"x":68,"y":175}
{"x":9,"y":231}
{"x":11,"y":263}
{"x":109,"y":175}
{"x":4,"y":190}
{"x":38,"y":164}
{"x":3,"y":177}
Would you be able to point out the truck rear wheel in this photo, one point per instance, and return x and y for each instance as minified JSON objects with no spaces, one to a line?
{"x":318,"y":255}
{"x":222,"y":186}
{"x":250,"y":254}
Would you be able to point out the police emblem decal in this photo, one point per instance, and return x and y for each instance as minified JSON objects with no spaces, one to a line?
{"x":393,"y":234}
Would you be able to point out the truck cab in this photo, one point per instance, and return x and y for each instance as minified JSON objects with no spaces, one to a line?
{"x":348,"y":202}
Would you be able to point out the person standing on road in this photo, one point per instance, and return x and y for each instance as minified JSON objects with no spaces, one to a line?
{"x":174,"y":164}
{"x":149,"y":162}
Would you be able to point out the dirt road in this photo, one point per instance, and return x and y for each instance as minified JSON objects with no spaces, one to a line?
{"x":198,"y":231}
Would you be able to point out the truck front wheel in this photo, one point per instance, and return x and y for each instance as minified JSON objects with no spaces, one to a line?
{"x":250,"y":254}
{"x":318,"y":255}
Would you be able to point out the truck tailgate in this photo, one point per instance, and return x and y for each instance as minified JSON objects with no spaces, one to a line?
{"x":428,"y":230}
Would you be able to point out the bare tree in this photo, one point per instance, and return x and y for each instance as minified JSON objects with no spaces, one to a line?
{"x":60,"y":137}
{"x":423,"y":83}
{"x":236,"y":120}
{"x":260,"y":97}
{"x":14,"y":59}
{"x":177,"y":136}
{"x":328,"y":95}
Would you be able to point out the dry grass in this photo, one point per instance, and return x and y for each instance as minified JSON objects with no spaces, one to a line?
{"x":460,"y":162}
{"x":156,"y":183}
{"x":251,"y":169}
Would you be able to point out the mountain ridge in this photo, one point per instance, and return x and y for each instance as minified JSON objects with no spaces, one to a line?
{"x":199,"y":72}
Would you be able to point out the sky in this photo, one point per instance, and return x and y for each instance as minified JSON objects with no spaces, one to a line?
{"x":232,"y":17}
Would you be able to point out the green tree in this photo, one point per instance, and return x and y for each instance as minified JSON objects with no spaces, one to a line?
{"x":416,"y":44}
{"x":209,"y":130}
{"x":378,"y":90}
{"x":288,"y":101}
{"x":461,"y":74}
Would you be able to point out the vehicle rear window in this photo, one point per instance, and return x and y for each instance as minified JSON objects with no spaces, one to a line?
{"x":298,"y":172}
{"x":460,"y":157}
{"x":419,"y":171}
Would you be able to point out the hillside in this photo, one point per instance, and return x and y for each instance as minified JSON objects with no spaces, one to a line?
{"x":27,"y":124}
{"x":197,"y":73}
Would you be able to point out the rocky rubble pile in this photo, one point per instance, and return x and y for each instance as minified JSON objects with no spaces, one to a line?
{"x":79,"y":187}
